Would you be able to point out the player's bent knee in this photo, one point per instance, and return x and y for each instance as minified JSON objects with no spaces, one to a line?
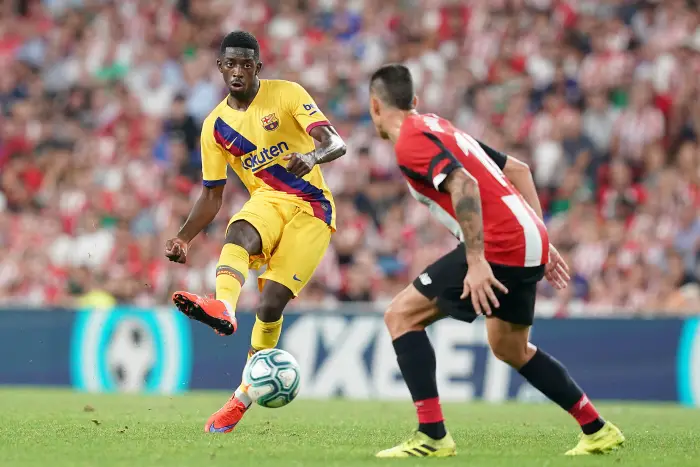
{"x":392,"y":320}
{"x":269,"y":312}
{"x":503,"y":354}
{"x":271,"y":308}
{"x":399,"y":320}
{"x":243,"y":233}
{"x":274,"y":300}
{"x":510,"y":351}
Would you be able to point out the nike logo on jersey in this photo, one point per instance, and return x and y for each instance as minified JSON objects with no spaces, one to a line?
{"x":228,"y":148}
{"x":296,"y":278}
{"x":232,"y":141}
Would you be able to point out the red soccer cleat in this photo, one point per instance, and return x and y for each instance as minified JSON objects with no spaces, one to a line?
{"x":209,"y":311}
{"x":227,"y":417}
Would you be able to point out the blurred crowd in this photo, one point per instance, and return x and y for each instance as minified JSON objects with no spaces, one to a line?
{"x":101,"y":104}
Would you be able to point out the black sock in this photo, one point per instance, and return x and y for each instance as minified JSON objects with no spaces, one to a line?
{"x":550,"y":377}
{"x":416,"y":359}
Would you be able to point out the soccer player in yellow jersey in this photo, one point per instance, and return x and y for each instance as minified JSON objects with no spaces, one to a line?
{"x":265,"y":131}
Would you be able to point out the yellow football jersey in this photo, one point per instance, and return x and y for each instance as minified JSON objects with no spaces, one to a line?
{"x":253,"y":142}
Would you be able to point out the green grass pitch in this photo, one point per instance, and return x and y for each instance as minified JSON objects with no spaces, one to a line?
{"x":59,"y":428}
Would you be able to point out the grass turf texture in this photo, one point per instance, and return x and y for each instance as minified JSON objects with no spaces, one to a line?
{"x":60,"y":428}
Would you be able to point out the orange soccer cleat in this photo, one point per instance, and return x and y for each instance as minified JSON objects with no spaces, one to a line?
{"x":214,"y":313}
{"x":227,"y":417}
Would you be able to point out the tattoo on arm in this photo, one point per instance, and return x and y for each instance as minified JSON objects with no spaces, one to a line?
{"x":331,"y":148}
{"x":464,"y":190}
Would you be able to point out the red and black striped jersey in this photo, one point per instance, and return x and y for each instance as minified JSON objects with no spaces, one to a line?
{"x":429,"y":148}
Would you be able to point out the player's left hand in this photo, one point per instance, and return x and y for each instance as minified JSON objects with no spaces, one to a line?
{"x":479,"y":283}
{"x":556,"y":271}
{"x":299,"y":164}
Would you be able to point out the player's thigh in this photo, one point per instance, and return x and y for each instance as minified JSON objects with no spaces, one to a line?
{"x":410,"y":310}
{"x":443,"y":282}
{"x":301,"y":247}
{"x":518,"y":305}
{"x":265,"y":217}
{"x":508,"y":329}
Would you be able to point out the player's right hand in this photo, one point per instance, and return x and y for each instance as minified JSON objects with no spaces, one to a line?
{"x":556,"y":271}
{"x":479,"y":283}
{"x":176,"y":250}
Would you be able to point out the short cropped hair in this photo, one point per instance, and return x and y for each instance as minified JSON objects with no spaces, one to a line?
{"x":241,"y":39}
{"x":393,"y":84}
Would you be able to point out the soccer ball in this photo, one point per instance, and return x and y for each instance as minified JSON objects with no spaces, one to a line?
{"x":272,"y":377}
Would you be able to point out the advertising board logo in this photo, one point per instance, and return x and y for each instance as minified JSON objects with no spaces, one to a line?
{"x":130,"y":350}
{"x":353,"y":357}
{"x":689,"y":363}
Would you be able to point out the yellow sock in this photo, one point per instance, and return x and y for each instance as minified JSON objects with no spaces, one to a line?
{"x":264,"y":336}
{"x":231,"y":274}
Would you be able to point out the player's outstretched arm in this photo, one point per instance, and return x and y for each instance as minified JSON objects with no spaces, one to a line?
{"x":466,"y":200}
{"x":202,"y":214}
{"x":331,"y":147}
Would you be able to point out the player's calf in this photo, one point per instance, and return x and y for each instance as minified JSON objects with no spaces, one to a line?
{"x":509,"y":343}
{"x":268,"y":326}
{"x":268,"y":317}
{"x":405,"y":320}
{"x":552,"y":379}
{"x":265,"y":335}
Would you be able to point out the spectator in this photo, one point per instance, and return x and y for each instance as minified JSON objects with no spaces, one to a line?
{"x":599,"y":120}
{"x":101,"y":105}
{"x":181,"y":125}
{"x":637,"y":127}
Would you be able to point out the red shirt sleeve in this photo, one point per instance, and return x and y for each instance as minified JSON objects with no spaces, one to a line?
{"x":423,"y":157}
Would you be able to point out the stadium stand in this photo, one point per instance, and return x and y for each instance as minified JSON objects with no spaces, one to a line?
{"x":101,"y":102}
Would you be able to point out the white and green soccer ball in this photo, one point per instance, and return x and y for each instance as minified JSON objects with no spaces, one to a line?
{"x":272,"y":377}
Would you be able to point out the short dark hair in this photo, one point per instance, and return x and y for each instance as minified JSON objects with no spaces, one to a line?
{"x":241,"y":39}
{"x":393,"y":84}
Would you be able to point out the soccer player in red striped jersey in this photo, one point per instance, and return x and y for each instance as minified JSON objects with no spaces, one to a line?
{"x":489,"y":202}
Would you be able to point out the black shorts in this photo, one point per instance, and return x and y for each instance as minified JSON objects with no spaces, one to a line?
{"x":444,"y":280}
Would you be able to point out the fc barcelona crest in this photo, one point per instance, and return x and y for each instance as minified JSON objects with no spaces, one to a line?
{"x":270,"y":122}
